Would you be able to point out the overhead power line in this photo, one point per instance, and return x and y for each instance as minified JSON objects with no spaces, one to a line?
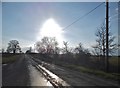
{"x":83,"y":16}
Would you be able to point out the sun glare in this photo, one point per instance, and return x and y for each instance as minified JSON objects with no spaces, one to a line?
{"x":51,"y":29}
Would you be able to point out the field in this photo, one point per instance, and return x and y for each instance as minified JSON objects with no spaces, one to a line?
{"x":9,"y":58}
{"x":114,"y":61}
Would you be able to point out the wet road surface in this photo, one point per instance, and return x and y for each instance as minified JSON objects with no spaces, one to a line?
{"x":22,"y":73}
{"x":15,"y":74}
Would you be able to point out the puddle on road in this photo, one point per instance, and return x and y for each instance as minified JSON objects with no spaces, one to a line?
{"x":54,"y":76}
{"x":4,"y":64}
{"x":51,"y":74}
{"x":37,"y":79}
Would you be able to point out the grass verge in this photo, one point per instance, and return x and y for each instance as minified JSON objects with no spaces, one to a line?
{"x":113,"y":76}
{"x":9,"y":59}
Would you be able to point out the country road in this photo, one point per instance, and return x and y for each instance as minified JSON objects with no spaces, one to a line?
{"x":22,"y":73}
{"x":27,"y":71}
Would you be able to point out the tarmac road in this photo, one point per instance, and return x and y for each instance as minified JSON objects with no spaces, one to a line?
{"x":22,"y":73}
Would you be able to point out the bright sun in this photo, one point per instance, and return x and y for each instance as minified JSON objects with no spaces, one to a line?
{"x":51,"y":29}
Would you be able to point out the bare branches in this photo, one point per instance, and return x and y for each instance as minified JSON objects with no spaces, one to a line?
{"x":47,"y":45}
{"x":100,"y":47}
{"x":13,"y":46}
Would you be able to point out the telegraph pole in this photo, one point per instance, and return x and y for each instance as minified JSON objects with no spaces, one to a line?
{"x":107,"y":36}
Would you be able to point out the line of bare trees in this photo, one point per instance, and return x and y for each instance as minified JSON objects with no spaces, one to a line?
{"x":49,"y":45}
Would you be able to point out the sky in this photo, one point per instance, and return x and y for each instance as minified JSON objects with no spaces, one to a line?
{"x":28,"y":22}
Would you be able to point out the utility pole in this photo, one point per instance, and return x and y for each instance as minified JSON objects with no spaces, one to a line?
{"x":107,"y":36}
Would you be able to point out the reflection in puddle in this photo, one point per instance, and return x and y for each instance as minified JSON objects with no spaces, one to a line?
{"x":54,"y":77}
{"x":51,"y":74}
{"x":39,"y":78}
{"x":47,"y":82}
{"x":4,"y":64}
{"x":36,"y":78}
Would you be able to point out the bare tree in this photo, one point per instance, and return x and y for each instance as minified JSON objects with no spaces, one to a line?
{"x":13,"y":46}
{"x":39,"y":47}
{"x":47,"y":45}
{"x":79,"y":49}
{"x":65,"y":49}
{"x":87,"y":52}
{"x":100,"y":47}
{"x":96,"y":50}
{"x":57,"y":50}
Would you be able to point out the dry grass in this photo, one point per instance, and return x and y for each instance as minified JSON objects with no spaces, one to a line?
{"x":9,"y":59}
{"x":103,"y":74}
